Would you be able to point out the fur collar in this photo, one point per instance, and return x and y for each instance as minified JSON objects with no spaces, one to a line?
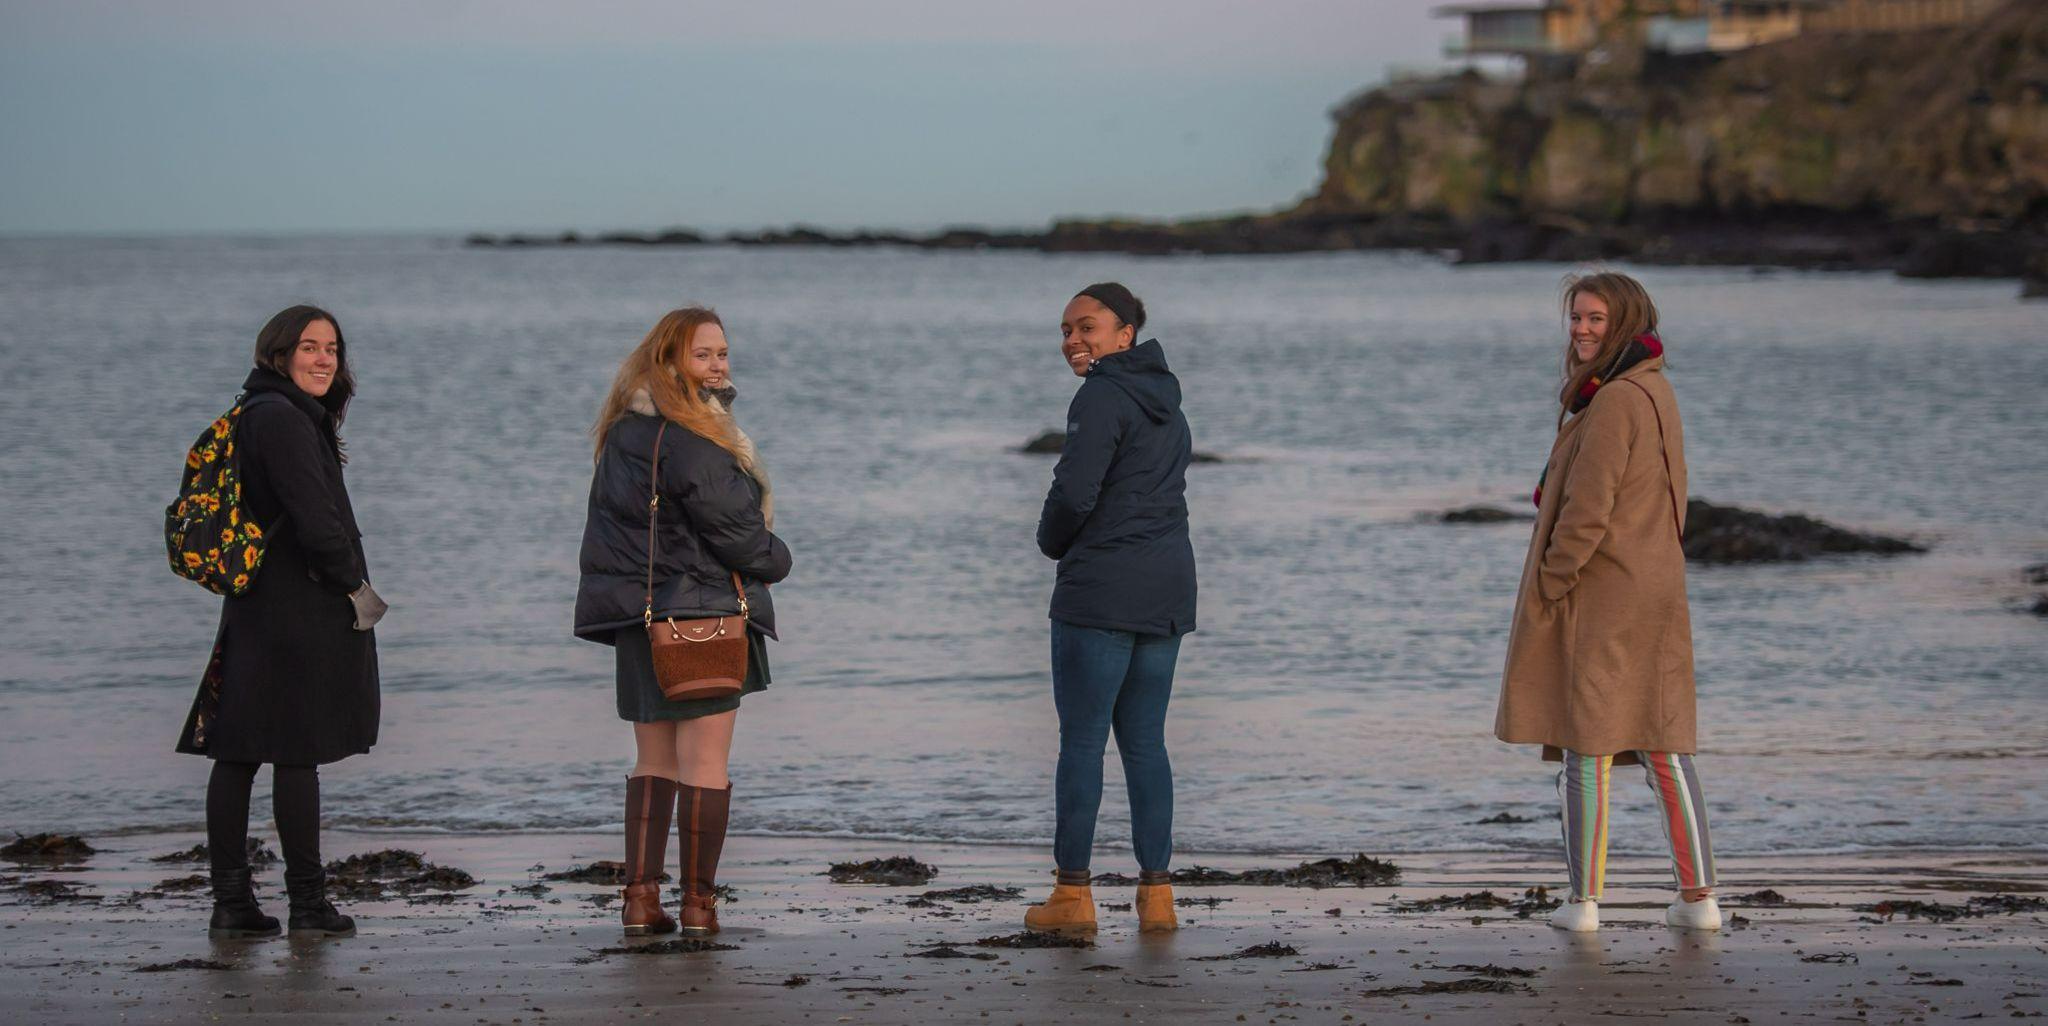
{"x":642,"y":402}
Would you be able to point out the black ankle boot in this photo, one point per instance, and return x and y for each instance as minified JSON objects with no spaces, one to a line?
{"x":235,"y":914}
{"x":312,"y":913}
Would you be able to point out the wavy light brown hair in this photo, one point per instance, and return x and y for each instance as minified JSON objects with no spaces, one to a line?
{"x":1629,"y":313}
{"x":656,"y":365}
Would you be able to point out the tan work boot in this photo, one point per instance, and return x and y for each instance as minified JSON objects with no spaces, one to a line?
{"x":1071,"y":907}
{"x":1155,"y":903}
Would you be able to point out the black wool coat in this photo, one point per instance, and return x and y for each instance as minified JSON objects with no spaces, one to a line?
{"x":1117,"y":514}
{"x":710,"y":524}
{"x":291,"y":681}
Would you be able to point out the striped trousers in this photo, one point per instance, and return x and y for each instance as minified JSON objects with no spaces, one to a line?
{"x":1582,"y":786}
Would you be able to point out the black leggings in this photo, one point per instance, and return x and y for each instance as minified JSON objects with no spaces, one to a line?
{"x":295,"y":801}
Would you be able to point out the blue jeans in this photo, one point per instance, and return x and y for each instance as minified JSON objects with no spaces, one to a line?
{"x":1120,"y":680}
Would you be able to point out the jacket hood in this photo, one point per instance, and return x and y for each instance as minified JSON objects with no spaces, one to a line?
{"x":1142,"y":373}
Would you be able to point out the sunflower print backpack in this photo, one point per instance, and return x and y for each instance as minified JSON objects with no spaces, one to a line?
{"x":211,"y":540}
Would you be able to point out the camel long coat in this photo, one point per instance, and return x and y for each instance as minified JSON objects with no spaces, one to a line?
{"x":1600,"y":654}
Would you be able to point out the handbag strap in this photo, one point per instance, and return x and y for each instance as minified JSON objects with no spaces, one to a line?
{"x":653,"y":512}
{"x":1670,"y":482}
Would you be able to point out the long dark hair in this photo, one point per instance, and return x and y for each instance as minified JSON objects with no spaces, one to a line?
{"x":279,"y":339}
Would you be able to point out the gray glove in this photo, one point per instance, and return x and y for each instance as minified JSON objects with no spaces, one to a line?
{"x":370,"y":606}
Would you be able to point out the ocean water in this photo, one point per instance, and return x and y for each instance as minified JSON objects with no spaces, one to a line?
{"x":1339,"y":695}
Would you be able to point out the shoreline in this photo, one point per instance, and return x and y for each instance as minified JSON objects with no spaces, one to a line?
{"x":1182,"y":855}
{"x":1911,"y":249}
{"x":517,"y":948}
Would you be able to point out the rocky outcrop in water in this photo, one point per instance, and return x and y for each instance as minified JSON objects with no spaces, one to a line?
{"x":2037,"y":575}
{"x":2034,"y":279}
{"x":1481,"y":515}
{"x":1051,"y":443}
{"x":1727,"y":534}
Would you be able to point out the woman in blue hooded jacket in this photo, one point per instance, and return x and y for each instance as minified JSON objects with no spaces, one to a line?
{"x":1117,"y":521}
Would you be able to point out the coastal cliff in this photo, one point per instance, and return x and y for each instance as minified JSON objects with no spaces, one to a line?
{"x":1843,"y":137}
{"x":1922,"y":152}
{"x":1948,"y":124}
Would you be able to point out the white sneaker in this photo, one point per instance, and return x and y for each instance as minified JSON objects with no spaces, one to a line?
{"x":1704,"y":914}
{"x":1577,"y":916}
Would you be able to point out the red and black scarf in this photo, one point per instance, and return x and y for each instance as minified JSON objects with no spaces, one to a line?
{"x":1640,"y":348}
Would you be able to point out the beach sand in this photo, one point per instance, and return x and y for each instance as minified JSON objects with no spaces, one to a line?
{"x":804,"y":949}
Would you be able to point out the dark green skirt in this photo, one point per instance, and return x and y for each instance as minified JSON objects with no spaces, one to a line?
{"x":640,"y":697}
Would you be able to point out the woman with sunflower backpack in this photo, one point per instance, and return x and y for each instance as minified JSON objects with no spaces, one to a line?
{"x":292,"y":679}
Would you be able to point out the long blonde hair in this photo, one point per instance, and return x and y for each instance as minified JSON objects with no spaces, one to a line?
{"x":1630,"y":314}
{"x":654,"y":366}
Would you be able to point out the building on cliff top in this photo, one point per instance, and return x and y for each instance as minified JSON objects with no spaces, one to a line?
{"x":1548,"y":30}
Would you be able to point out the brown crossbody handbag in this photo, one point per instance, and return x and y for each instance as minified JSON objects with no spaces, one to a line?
{"x":704,"y":658}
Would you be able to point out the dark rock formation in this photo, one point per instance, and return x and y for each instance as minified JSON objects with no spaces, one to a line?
{"x":1051,"y":442}
{"x":1727,"y":534}
{"x":1482,"y":515}
{"x":1048,"y":444}
{"x":2034,"y":279}
{"x":1503,"y":817}
{"x":1951,"y":254}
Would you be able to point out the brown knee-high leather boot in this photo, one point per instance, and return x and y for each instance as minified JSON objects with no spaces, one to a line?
{"x":649,"y":802}
{"x":701,"y":814}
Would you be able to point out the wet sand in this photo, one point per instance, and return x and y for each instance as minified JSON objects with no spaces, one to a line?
{"x":805,"y":949}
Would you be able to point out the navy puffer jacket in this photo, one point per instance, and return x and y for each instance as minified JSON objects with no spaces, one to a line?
{"x":710,"y":524}
{"x":1117,"y":515}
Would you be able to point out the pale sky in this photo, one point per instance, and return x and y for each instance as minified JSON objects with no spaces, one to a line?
{"x":457,"y":115}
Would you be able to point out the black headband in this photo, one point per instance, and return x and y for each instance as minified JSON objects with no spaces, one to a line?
{"x":1125,"y":307}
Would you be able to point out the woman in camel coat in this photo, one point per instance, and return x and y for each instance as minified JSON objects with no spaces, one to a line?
{"x":1599,"y":664}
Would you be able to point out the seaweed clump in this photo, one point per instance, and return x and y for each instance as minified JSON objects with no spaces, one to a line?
{"x":900,"y":871}
{"x":371,"y":875}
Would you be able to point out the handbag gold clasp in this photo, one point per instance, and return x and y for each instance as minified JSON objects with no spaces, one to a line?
{"x":676,"y":633}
